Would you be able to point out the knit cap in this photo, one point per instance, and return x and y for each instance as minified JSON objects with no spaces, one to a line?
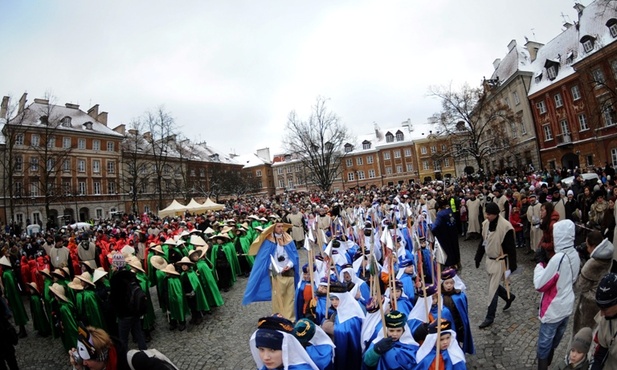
{"x":582,"y":340}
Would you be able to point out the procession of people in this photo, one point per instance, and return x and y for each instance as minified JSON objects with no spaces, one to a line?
{"x":382,"y":286}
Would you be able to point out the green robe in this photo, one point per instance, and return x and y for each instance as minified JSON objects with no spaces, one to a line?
{"x":48,"y":297}
{"x":200,"y":295}
{"x":68,"y":292}
{"x":208,"y":282}
{"x":213,"y":252}
{"x":89,"y":309}
{"x":12,"y":295}
{"x":160,"y":280}
{"x":149,"y":317}
{"x":232,"y":257}
{"x":69,"y":324}
{"x":177,"y":304}
{"x":245,"y":241}
{"x":151,"y":269}
{"x":40,"y":318}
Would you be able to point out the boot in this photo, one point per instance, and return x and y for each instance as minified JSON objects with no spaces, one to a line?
{"x":543,"y":364}
{"x":22,"y":331}
{"x":550,"y":356}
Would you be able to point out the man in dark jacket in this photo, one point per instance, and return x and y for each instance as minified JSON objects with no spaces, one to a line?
{"x":127,"y":321}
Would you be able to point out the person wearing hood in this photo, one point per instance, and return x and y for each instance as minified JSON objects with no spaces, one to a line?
{"x":600,"y":256}
{"x":555,"y":278}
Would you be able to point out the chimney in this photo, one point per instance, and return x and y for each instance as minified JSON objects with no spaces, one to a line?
{"x":22,"y":103}
{"x":4,"y":108}
{"x":94,"y":111}
{"x":567,"y":25}
{"x":579,"y":9}
{"x":41,"y":101}
{"x":533,"y":47}
{"x":102,"y":118}
{"x":71,"y":106}
{"x":496,"y":63}
{"x":511,"y":45}
{"x":121,"y":129}
{"x":132,"y":131}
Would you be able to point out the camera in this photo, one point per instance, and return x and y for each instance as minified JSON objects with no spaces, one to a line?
{"x":77,"y":358}
{"x":281,"y":258}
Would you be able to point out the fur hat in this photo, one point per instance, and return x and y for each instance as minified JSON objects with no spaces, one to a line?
{"x":582,"y":340}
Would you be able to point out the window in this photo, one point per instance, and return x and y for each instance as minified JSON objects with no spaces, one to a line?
{"x":399,"y":136}
{"x":614,"y":156}
{"x":99,"y":213}
{"x":541,"y":107}
{"x":423,"y":150}
{"x":82,"y":187}
{"x":258,"y":173}
{"x":96,"y":145}
{"x":19,"y":217}
{"x":609,"y":116}
{"x":19,"y":139}
{"x":19,"y":163}
{"x":588,"y":45}
{"x":66,"y":121}
{"x":66,"y":142}
{"x":96,"y":166}
{"x":614,"y":67}
{"x":407,"y":152}
{"x":444,"y":148}
{"x":582,"y":122}
{"x":397,"y":154}
{"x":388,"y":170}
{"x":281,"y":183}
{"x":34,"y":164}
{"x":51,"y":141}
{"x":19,"y":188}
{"x":564,"y":127}
{"x":389,"y":138}
{"x":551,"y":72}
{"x":35,"y":140}
{"x":386,"y":155}
{"x":446,"y":162}
{"x":66,"y":187}
{"x":576,"y":92}
{"x":81,"y":165}
{"x":280,"y":171}
{"x":349,"y":162}
{"x":192,"y":172}
{"x":598,"y":76}
{"x":409,"y":167}
{"x":548,"y":135}
{"x":36,"y":218}
{"x":34,"y":190}
{"x":66,"y":165}
{"x":348,"y":148}
{"x":111,"y":167}
{"x":111,"y":187}
{"x":51,"y":164}
{"x":359,"y":161}
{"x":613,"y":29}
{"x":433,"y":149}
{"x":558,"y":100}
{"x":110,"y":146}
{"x":513,"y":128}
{"x":81,"y":144}
{"x":399,"y":169}
{"x":590,"y":160}
{"x":290,"y":183}
{"x":425,"y":165}
{"x":369,"y":159}
{"x":366,"y":145}
{"x":97,"y":187}
{"x":350,"y":176}
{"x":360,"y":175}
{"x":517,"y":100}
{"x":371,"y":174}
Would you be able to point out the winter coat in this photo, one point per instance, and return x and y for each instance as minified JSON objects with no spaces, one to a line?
{"x":515,"y":220}
{"x":555,"y":280}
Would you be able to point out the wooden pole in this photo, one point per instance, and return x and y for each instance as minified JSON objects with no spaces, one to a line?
{"x":437,"y":342}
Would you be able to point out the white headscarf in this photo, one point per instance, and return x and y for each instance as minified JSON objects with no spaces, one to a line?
{"x":321,"y":338}
{"x":370,"y":323}
{"x":293,"y":352}
{"x":348,"y":307}
{"x":406,"y":338}
{"x":455,"y":352}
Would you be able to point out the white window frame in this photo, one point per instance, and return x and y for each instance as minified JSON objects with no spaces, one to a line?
{"x":582,"y":122}
{"x":399,"y":168}
{"x":613,"y":30}
{"x":388,"y":170}
{"x":110,"y":146}
{"x":423,"y":150}
{"x":351,"y":176}
{"x":111,"y":187}
{"x":548,"y":133}
{"x":606,"y":114}
{"x":280,"y":171}
{"x":386,"y":155}
{"x":371,"y":174}
{"x":281,"y":183}
{"x":551,"y":72}
{"x":99,"y":213}
{"x":111,"y":167}
{"x":96,"y":187}
{"x":446,"y":162}
{"x":19,"y":163}
{"x":366,"y":145}
{"x":425,"y":165}
{"x":433,"y":149}
{"x":541,"y":106}
{"x":517,"y":100}
{"x":588,"y":46}
{"x":359,"y":161}
{"x":35,"y":140}
{"x":598,"y":76}
{"x":407,"y":152}
{"x":558,"y":100}
{"x":66,"y":142}
{"x":81,"y":165}
{"x":34,"y":164}
{"x":19,"y":139}
{"x":369,"y":159}
{"x":96,"y":166}
{"x":51,"y":141}
{"x":82,"y":187}
{"x":409,"y":167}
{"x":360,"y":175}
{"x":576,"y":93}
{"x":349,"y":162}
{"x":397,"y":154}
{"x":563,"y":124}
{"x":96,"y":145}
{"x":81,"y":144}
{"x":34,"y":189}
{"x":258,"y":173}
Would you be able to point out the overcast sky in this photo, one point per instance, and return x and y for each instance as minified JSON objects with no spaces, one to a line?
{"x":230,"y":72}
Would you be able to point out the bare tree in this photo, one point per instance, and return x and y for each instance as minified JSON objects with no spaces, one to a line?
{"x":318,"y":142}
{"x":136,"y":168}
{"x":474,"y":117}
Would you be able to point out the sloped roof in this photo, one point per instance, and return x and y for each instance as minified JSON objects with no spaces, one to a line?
{"x":251,"y":160}
{"x":378,"y":137}
{"x":517,"y":59}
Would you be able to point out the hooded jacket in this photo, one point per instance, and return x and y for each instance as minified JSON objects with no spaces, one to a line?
{"x":555,"y":280}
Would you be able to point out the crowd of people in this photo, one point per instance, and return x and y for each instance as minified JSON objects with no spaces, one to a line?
{"x":380,"y":290}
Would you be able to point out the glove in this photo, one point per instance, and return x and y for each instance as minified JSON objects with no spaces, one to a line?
{"x":383,"y":346}
{"x":541,"y":256}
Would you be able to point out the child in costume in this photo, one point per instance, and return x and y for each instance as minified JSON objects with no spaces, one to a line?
{"x":193,"y":291}
{"x":451,"y":356}
{"x":316,"y":342}
{"x":456,"y":301}
{"x":397,"y":350}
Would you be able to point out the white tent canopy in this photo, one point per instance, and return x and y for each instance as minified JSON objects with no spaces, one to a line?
{"x":196,"y":207}
{"x":211,"y":206}
{"x":174,"y":209}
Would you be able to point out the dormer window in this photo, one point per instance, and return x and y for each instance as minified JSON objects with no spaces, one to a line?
{"x":389,"y":137}
{"x":551,"y":72}
{"x":612,"y":26}
{"x":538,"y":76}
{"x":588,"y":43}
{"x":66,"y":121}
{"x":399,"y":136}
{"x":44,"y":120}
{"x":287,"y":157}
{"x":570,"y":57}
{"x":348,"y":148}
{"x":214,"y":157}
{"x":88,"y":125}
{"x":366,"y":144}
{"x":552,"y":67}
{"x":329,"y":146}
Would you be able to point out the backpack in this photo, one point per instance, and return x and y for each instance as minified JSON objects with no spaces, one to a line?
{"x":138,"y":301}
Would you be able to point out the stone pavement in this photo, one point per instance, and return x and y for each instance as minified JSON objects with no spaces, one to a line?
{"x":221,"y":342}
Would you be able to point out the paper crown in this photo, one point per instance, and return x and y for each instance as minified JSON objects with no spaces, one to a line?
{"x":398,"y":285}
{"x":396,"y":319}
{"x":336,"y":287}
{"x":276,"y":322}
{"x":448,"y":274}
{"x":443,"y":326}
{"x":305,"y":268}
{"x":304,"y":330}
{"x":430,"y":290}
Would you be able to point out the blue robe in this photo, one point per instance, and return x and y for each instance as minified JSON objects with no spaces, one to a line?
{"x":348,"y":352}
{"x":445,"y":230}
{"x":409,"y":284}
{"x":400,"y":357}
{"x":461,"y":305}
{"x":427,"y":266}
{"x":446,"y":365}
{"x":404,"y":305}
{"x":408,"y":241}
{"x":321,"y":356}
{"x":299,"y":299}
{"x":294,"y":367}
{"x":365,"y":291}
{"x":259,"y":287}
{"x":321,"y":309}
